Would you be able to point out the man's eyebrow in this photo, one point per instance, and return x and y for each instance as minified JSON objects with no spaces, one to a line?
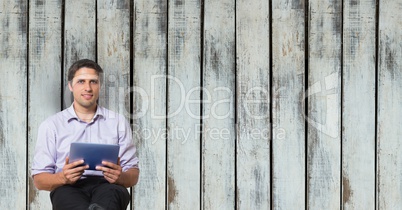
{"x":84,"y":78}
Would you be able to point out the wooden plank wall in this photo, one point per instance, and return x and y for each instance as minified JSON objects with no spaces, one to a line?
{"x":13,"y":104}
{"x":358,"y":121}
{"x":234,"y":104}
{"x":389,"y":114}
{"x":288,"y":87}
{"x":253,"y":160}
{"x":44,"y":98}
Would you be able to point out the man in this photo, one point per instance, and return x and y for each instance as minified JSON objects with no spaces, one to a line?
{"x":71,"y":185}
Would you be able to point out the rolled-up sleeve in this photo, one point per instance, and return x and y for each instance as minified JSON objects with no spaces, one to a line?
{"x":45,"y":151}
{"x":128,"y":157}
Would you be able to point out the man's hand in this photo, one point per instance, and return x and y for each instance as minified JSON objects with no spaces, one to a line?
{"x":72,"y":172}
{"x":111,"y":171}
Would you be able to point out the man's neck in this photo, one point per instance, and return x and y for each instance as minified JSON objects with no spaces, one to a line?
{"x":85,"y":114}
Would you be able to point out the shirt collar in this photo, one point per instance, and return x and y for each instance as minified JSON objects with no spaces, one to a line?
{"x":71,"y":115}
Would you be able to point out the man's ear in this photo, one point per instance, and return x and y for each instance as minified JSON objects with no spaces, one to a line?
{"x":69,"y":86}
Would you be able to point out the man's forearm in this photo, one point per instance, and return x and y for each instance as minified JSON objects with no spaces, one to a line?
{"x":48,"y":181}
{"x":129,"y":178}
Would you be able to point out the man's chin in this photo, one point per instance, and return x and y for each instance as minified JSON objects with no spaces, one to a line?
{"x":87,"y":105}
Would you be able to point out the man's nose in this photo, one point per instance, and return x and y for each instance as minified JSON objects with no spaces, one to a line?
{"x":88,"y":86}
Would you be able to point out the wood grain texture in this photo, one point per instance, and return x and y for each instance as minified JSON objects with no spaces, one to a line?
{"x":288,"y":85}
{"x":218,"y":137}
{"x":79,"y":37}
{"x":358,"y":122}
{"x":149,"y":91}
{"x":183,"y":158}
{"x":44,"y":97}
{"x":198,"y":62}
{"x":13,"y":104}
{"x":253,"y":109}
{"x":389,"y":131}
{"x":113,"y":54}
{"x":324,"y":104}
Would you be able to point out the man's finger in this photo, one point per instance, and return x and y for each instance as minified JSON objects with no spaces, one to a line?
{"x":110,"y":165}
{"x":80,"y":168}
{"x":104,"y":169}
{"x":75,"y":163}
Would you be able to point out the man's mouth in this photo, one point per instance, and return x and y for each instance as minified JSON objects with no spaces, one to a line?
{"x":87,"y":96}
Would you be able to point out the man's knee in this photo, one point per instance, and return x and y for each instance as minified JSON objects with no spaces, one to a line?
{"x":111,"y":196}
{"x":115,"y":189}
{"x":63,"y":196}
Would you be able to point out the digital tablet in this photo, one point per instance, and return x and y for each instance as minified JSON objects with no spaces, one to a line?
{"x":93,"y":154}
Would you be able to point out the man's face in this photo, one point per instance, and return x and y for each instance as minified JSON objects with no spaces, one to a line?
{"x":85,"y":87}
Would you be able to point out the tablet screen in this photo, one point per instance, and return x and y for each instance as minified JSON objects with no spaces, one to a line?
{"x":93,"y":154}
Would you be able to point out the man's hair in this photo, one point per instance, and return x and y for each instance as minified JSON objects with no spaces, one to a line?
{"x":81,"y":64}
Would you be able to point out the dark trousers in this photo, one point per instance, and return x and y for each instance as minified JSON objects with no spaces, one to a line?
{"x":90,"y":193}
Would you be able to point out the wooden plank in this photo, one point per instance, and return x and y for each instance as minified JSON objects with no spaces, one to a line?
{"x":44,"y":97}
{"x":253,"y":109}
{"x":113,"y":51}
{"x":389,"y":130}
{"x":13,"y":104}
{"x":288,"y":54}
{"x":113,"y":55}
{"x":219,"y":137}
{"x":79,"y":37}
{"x":323,"y":95}
{"x":149,"y":123}
{"x":358,"y":110}
{"x":183,"y":158}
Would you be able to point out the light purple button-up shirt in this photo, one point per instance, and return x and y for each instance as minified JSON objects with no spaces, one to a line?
{"x":57,"y":132}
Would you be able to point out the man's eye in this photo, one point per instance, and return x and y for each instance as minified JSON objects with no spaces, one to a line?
{"x":94,"y":82}
{"x":80,"y":81}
